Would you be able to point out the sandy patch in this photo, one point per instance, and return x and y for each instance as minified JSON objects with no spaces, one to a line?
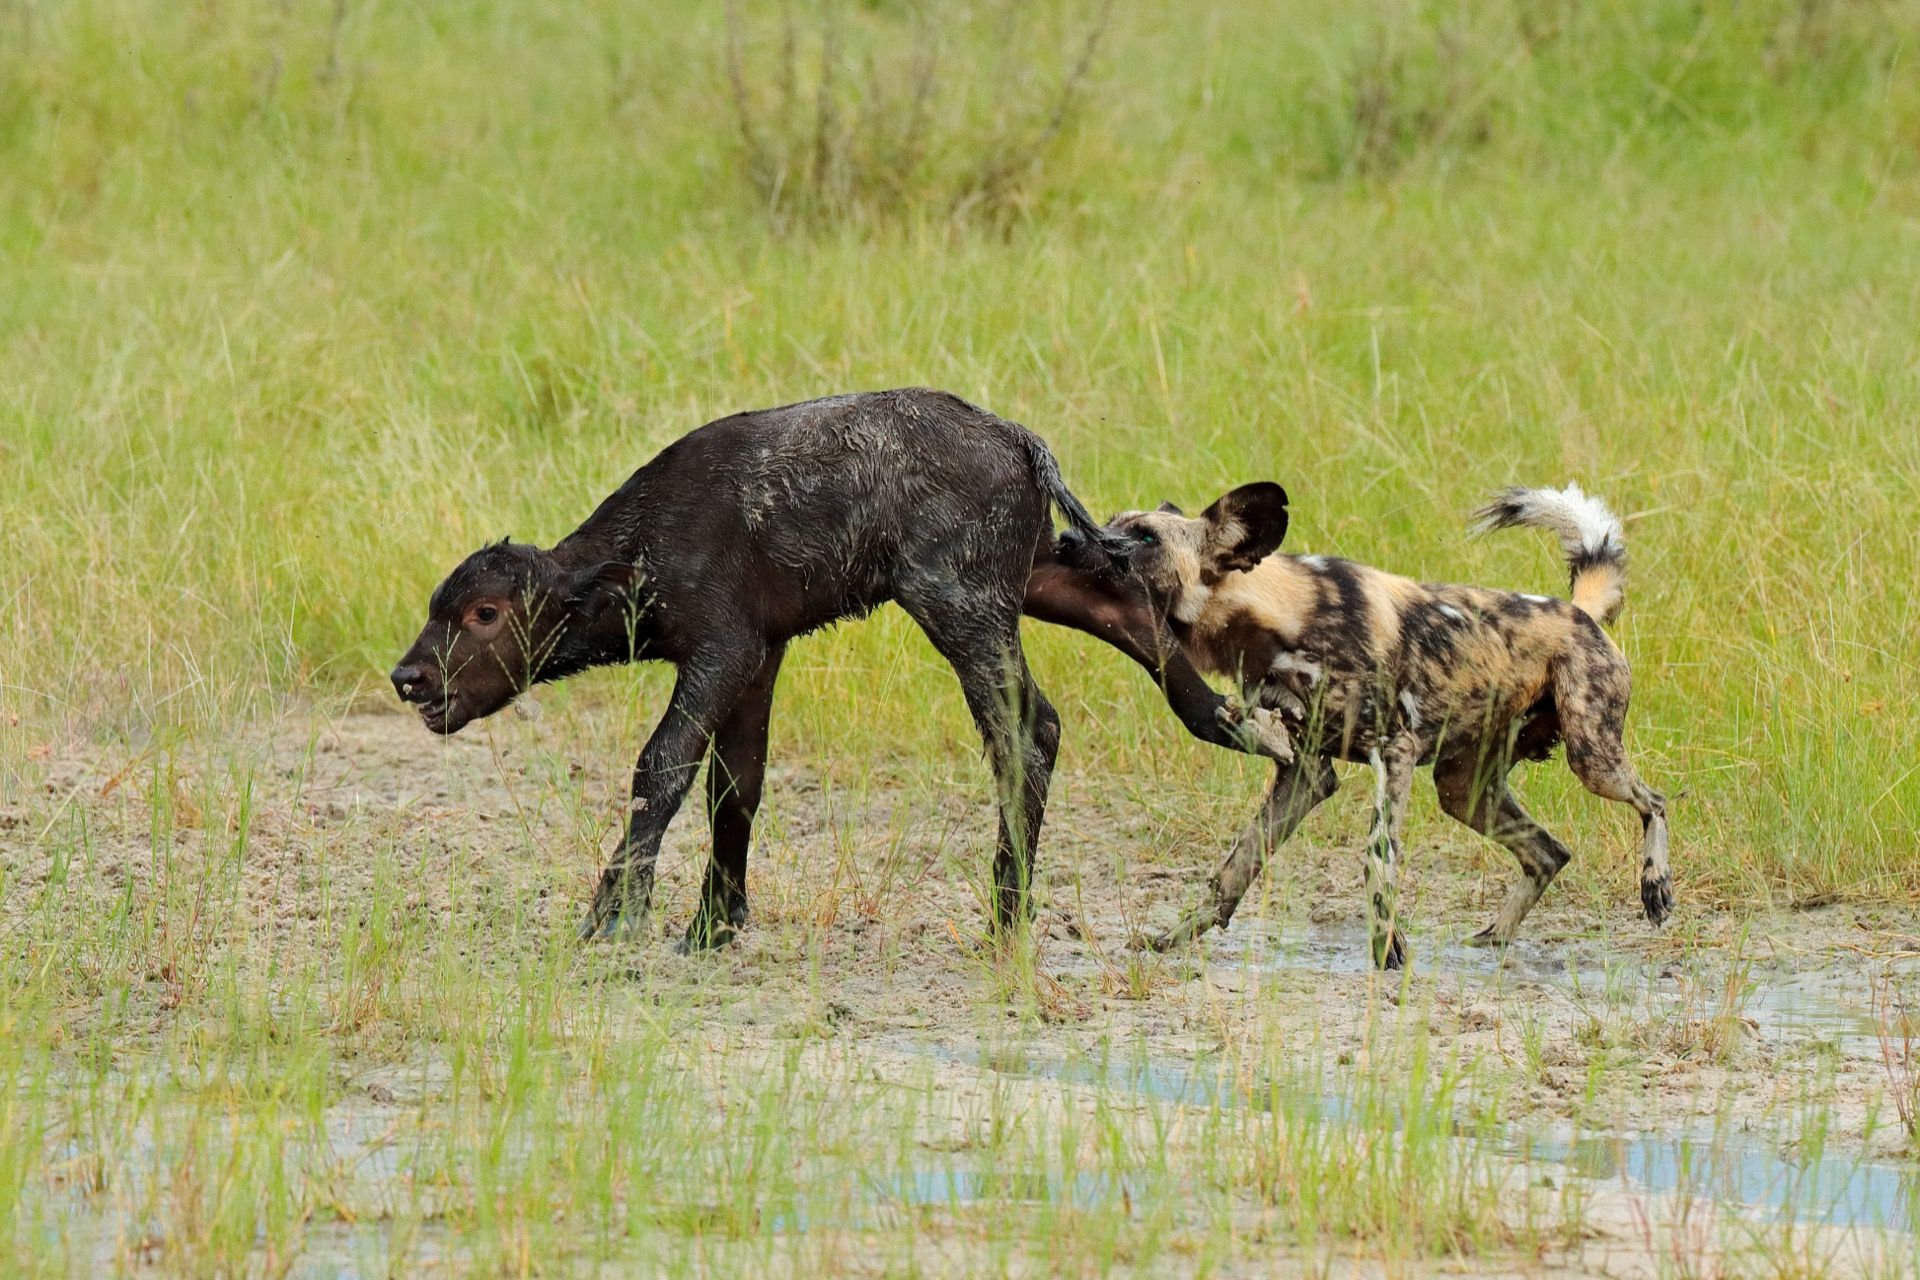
{"x":1588,"y":1051}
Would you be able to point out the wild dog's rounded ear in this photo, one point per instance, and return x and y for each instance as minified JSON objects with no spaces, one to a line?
{"x":611,"y":577}
{"x":1246,"y":526}
{"x":1168,"y":509}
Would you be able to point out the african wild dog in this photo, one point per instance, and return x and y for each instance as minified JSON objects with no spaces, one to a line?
{"x":1364,"y":665}
{"x":763,"y":526}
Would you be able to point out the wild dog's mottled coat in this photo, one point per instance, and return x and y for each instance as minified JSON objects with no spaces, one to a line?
{"x":1366,"y":665}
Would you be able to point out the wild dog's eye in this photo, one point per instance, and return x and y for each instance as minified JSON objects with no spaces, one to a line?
{"x":486,"y":615}
{"x":1146,"y":537}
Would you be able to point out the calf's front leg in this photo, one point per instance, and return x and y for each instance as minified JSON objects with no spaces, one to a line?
{"x":736,"y":770}
{"x":709,"y":686}
{"x":1128,"y":621}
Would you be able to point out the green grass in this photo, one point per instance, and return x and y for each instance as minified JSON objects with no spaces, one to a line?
{"x":299,"y":302}
{"x":281,"y":344}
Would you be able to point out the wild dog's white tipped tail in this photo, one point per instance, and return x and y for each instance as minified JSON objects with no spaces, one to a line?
{"x":1582,"y":522}
{"x":1589,"y":534}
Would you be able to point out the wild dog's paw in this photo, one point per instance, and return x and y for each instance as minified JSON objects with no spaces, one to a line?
{"x":1657,"y":897}
{"x":1390,"y":952}
{"x":1191,"y":926}
{"x":1231,"y":712}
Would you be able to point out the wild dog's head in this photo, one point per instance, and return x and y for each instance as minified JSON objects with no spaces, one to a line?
{"x":1174,"y":554}
{"x":507,"y":618}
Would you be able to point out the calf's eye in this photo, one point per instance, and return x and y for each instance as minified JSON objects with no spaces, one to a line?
{"x":486,"y":615}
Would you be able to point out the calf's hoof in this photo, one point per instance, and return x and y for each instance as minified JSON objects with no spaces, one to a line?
{"x":1487,"y":937}
{"x":1260,"y":730}
{"x":619,"y":910}
{"x":613,"y":926}
{"x":708,"y":933}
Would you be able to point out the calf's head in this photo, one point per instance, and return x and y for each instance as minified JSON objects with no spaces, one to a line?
{"x":1173,"y":555}
{"x":507,"y":618}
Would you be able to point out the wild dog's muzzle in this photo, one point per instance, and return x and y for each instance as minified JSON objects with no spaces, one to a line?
{"x":1076,"y":550}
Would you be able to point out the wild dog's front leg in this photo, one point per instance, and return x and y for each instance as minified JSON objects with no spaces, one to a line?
{"x":1393,"y":768}
{"x":709,"y":686}
{"x":1297,"y":790}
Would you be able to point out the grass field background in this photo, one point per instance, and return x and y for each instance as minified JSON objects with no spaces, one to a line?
{"x":303,"y":301}
{"x":300,"y":300}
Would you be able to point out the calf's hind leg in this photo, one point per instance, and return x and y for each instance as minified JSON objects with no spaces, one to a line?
{"x":1298,"y":789}
{"x":1019,"y":726}
{"x":736,"y":768}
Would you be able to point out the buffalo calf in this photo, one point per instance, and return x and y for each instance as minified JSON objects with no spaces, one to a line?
{"x":761,"y":527}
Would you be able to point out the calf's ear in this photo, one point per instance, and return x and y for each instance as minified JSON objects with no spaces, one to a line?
{"x":1245,"y":526}
{"x":608,"y":579}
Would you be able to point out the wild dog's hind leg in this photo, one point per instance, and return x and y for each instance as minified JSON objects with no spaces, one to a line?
{"x":736,"y":770}
{"x":1298,"y":789}
{"x":1603,"y":768}
{"x":1591,"y":689}
{"x":1393,"y":767}
{"x":1471,"y":781}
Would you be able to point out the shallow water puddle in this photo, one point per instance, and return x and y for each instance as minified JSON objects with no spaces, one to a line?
{"x":1741,"y":1173}
{"x":941,"y":1186}
{"x":1833,"y":1006}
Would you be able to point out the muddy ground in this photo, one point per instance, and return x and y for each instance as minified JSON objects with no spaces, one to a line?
{"x":867,"y":900}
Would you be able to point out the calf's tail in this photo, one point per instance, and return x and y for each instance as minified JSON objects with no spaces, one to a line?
{"x":1046,"y":474}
